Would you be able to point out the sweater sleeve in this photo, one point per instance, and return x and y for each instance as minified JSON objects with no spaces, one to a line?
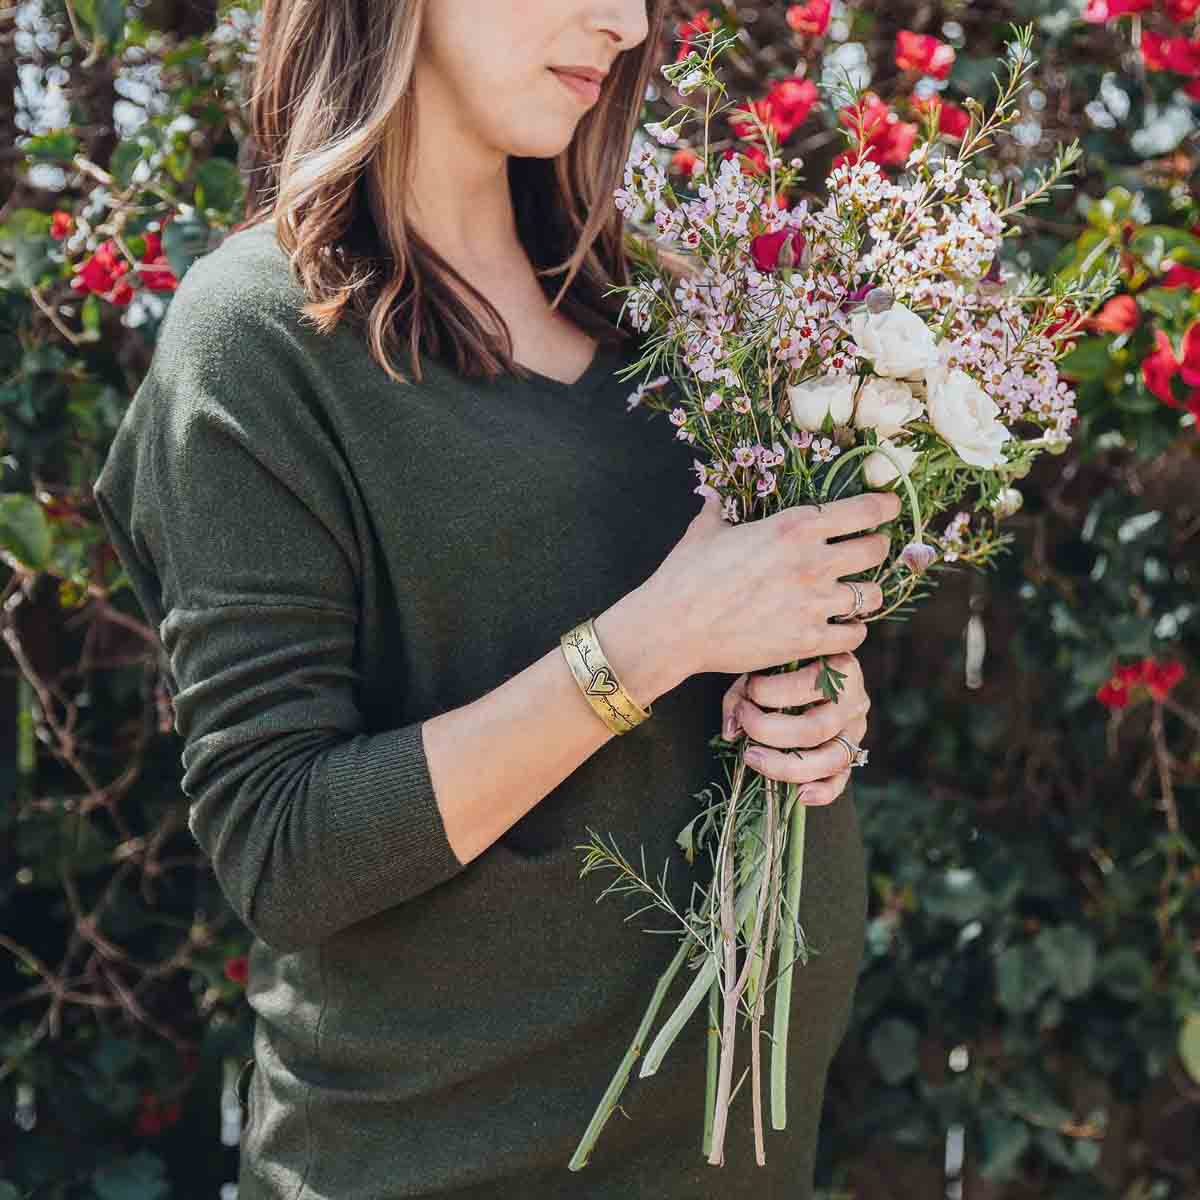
{"x":227,"y":502}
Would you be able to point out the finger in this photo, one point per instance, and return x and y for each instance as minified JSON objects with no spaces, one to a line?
{"x":857,"y":554}
{"x":839,"y":517}
{"x":841,"y":597}
{"x":729,"y":703}
{"x":806,"y":731}
{"x":826,"y":791}
{"x":800,"y":766}
{"x":788,"y":689}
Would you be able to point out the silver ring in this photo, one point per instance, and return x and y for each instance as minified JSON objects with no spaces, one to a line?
{"x":860,"y":598}
{"x":858,"y":756}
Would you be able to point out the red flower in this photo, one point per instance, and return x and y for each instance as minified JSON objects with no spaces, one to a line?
{"x":953,"y":121}
{"x":1180,"y":276}
{"x":152,"y":1117}
{"x":683,"y":160}
{"x":237,"y":969}
{"x":702,"y":22}
{"x":61,"y":224}
{"x":1182,"y":10}
{"x":1159,"y":368}
{"x":102,"y":275}
{"x":757,"y":164}
{"x":1113,"y":694}
{"x":1160,"y":678}
{"x":784,"y":108}
{"x":768,"y":248}
{"x":1099,"y":11}
{"x":923,"y":53}
{"x":1119,"y":315}
{"x":791,"y":100}
{"x":1192,"y":90}
{"x":156,"y":273}
{"x":1189,"y":368}
{"x":886,"y":139}
{"x":811,"y":18}
{"x":1176,"y":54}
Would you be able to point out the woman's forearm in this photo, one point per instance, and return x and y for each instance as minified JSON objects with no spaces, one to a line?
{"x":492,"y":760}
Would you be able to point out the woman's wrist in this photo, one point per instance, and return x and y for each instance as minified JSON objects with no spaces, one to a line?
{"x":638,"y":639}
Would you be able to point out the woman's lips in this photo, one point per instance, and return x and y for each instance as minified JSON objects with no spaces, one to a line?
{"x":586,"y":89}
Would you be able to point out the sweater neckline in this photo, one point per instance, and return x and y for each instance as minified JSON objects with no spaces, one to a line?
{"x":602,"y":364}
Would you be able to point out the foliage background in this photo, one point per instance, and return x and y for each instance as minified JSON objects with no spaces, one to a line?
{"x":1027,"y":1022}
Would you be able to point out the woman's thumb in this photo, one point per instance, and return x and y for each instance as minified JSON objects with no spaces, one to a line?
{"x":709,"y":515}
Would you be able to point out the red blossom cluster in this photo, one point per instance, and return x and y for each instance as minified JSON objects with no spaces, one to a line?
{"x":1162,"y":370}
{"x":783,"y":109}
{"x":688,"y":31}
{"x":881,"y":136}
{"x":237,"y":969}
{"x":103,"y":273}
{"x":153,"y":1116}
{"x":811,"y":19}
{"x":1157,"y":678}
{"x":61,"y":224}
{"x":1178,"y":54}
{"x":923,"y":54}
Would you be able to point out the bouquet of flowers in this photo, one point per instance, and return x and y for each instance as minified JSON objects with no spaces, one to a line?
{"x":870,"y":340}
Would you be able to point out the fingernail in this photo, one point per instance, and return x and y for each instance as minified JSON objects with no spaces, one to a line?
{"x":755,"y":757}
{"x":804,"y":791}
{"x":730,"y":727}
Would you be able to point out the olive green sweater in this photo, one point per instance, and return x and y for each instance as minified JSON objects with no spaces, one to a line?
{"x":330,"y":557}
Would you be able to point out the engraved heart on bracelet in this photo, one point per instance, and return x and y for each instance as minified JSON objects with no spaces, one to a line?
{"x":598,"y":688}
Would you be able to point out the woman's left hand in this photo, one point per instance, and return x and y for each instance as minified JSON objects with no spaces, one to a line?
{"x":822,"y":764}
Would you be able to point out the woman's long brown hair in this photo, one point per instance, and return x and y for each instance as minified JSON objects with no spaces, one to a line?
{"x":331,"y":131}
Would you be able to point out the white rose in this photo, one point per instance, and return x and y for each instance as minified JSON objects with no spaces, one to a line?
{"x":965,"y":415}
{"x":897,"y":341}
{"x":813,"y":399}
{"x":879,"y":470}
{"x":886,"y":405}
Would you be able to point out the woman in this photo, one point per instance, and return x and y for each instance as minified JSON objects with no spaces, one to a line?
{"x":362,"y":580}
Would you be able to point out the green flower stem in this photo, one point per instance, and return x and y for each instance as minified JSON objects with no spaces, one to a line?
{"x":714,"y":1048}
{"x":857,"y":452}
{"x":617,"y":1085}
{"x":787,"y":946}
{"x":706,"y":974}
{"x":747,"y":925}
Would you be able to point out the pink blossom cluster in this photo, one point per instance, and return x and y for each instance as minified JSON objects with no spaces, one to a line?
{"x":932,"y":239}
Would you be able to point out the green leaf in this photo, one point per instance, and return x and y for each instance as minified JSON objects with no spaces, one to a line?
{"x":59,"y":145}
{"x":110,"y":20}
{"x":24,"y":530}
{"x":1126,"y":973}
{"x":955,"y":895}
{"x":893,"y":1050}
{"x":1089,"y":360}
{"x":1070,"y":955}
{"x":218,"y":185}
{"x":184,"y":239}
{"x":1021,"y":978}
{"x":123,"y":160}
{"x":1170,"y":303}
{"x":25,"y":223}
{"x":1002,"y":1142}
{"x":1156,"y":242}
{"x":139,"y":1176}
{"x":1189,"y":1045}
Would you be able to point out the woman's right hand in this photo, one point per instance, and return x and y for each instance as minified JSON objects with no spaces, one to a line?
{"x":742,"y":598}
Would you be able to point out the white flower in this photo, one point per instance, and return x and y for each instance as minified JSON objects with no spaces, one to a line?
{"x":886,"y":405}
{"x":965,"y":415}
{"x":812,"y":399}
{"x":879,"y":470}
{"x":897,"y":341}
